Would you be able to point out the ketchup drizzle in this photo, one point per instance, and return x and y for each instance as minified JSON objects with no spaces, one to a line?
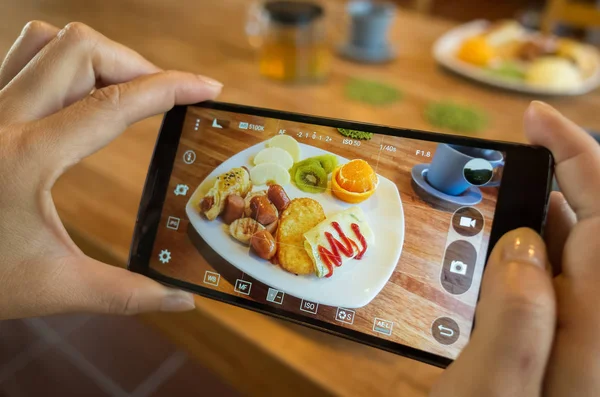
{"x":347,"y":247}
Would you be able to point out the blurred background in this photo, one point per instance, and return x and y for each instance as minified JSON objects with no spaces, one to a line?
{"x":453,"y":66}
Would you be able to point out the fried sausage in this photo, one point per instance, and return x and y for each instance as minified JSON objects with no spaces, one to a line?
{"x":264,"y":244}
{"x":234,"y":208}
{"x":278,"y":197}
{"x":262,"y":210}
{"x":207,"y":203}
{"x":249,"y":197}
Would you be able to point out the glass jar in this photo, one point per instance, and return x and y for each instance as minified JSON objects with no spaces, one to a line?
{"x":291,"y":39}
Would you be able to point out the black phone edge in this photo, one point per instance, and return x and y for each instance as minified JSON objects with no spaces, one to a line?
{"x":518,"y":175}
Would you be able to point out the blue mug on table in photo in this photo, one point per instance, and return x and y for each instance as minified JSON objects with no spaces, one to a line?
{"x":368,"y":31}
{"x":447,"y":170}
{"x":370,"y":23}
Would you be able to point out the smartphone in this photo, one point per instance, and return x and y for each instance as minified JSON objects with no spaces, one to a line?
{"x":372,"y":233}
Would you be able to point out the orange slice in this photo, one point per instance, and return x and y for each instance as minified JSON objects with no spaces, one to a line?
{"x":357,"y":176}
{"x":345,"y":195}
{"x":477,"y":51}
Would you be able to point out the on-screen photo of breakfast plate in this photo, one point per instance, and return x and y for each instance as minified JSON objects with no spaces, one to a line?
{"x":509,"y":56}
{"x":364,"y":234}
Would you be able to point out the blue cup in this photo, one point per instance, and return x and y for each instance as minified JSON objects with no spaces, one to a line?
{"x":446,"y":172}
{"x":370,"y":23}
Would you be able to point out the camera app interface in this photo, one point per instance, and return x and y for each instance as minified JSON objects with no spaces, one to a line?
{"x":382,"y":235}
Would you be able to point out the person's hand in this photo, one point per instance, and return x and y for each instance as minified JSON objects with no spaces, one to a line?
{"x":520,"y":347}
{"x":64,"y":94}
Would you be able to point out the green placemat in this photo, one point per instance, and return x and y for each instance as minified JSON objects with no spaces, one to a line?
{"x":372,"y":92}
{"x":456,"y":117}
{"x":355,"y":134}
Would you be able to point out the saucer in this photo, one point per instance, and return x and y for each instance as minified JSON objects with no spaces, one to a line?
{"x":367,"y":55}
{"x":471,"y":196}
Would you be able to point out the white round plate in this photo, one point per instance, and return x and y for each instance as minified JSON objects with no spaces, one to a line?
{"x":354,"y":284}
{"x":446,"y":47}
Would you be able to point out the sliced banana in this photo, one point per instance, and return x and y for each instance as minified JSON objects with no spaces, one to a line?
{"x":242,"y":229}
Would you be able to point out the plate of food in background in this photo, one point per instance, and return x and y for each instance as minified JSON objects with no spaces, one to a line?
{"x":507,"y":55}
{"x":303,"y":220}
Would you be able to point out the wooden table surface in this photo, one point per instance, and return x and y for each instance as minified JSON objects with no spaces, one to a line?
{"x":98,"y":199}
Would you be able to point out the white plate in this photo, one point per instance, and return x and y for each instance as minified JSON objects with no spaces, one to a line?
{"x":354,"y":284}
{"x":446,"y":47}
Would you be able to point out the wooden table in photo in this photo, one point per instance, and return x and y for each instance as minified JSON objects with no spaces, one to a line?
{"x":98,"y":198}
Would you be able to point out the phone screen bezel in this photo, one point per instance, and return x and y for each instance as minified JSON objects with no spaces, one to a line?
{"x":522,"y":202}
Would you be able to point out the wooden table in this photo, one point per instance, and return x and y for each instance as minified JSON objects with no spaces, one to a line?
{"x":98,"y":199}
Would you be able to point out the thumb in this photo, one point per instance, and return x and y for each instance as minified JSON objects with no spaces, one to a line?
{"x":514,"y":328}
{"x":113,"y":290}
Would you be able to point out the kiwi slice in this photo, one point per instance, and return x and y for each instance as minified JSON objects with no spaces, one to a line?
{"x":328,"y":162}
{"x":311,"y":178}
{"x":311,"y":160}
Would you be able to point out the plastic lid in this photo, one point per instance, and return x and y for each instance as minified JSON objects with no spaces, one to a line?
{"x":293,"y":12}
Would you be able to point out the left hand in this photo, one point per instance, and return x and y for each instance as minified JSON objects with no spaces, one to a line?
{"x":64,"y":94}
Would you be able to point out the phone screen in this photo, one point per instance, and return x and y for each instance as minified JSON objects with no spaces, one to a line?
{"x":383,"y":235}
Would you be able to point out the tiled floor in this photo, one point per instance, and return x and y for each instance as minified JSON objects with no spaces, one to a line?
{"x":81,"y":355}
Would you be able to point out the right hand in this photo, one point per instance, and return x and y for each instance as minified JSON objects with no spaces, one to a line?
{"x":537,"y":334}
{"x":573,"y":240}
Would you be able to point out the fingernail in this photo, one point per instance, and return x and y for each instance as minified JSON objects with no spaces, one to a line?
{"x":544,"y":107}
{"x":178,"y":301}
{"x":524,"y":246}
{"x":540,"y":103}
{"x":210,"y":81}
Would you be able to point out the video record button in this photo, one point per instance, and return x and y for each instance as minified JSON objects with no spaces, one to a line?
{"x":467,"y":221}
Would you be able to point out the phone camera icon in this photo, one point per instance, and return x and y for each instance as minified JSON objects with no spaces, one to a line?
{"x":458,"y":267}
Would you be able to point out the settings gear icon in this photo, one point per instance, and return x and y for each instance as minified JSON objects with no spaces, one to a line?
{"x":181,"y":190}
{"x":164,"y":256}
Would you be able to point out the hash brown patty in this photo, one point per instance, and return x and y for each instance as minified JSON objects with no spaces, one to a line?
{"x":299,"y":217}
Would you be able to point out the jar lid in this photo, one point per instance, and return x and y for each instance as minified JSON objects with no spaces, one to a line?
{"x":293,"y":12}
